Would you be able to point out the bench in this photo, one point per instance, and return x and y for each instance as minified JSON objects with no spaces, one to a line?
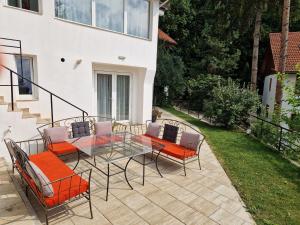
{"x":175,"y":148}
{"x":48,"y":178}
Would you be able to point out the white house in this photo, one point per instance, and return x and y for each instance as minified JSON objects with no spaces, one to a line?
{"x":99,"y":55}
{"x":271,"y":90}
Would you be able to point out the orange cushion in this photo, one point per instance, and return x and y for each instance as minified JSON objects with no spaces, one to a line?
{"x":62,"y":148}
{"x":173,"y":149}
{"x":55,"y":169}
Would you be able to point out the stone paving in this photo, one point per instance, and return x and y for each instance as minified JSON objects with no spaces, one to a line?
{"x":202,"y":197}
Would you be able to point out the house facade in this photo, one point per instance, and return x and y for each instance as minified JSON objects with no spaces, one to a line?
{"x":100,"y":55}
{"x":272,"y":92}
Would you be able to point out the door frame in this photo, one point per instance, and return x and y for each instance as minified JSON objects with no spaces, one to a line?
{"x":114,"y":74}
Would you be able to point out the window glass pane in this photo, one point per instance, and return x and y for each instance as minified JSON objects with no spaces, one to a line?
{"x":110,"y":14}
{"x":104,"y":95}
{"x":32,"y":5}
{"x":74,"y":10}
{"x":138,"y":17}
{"x":25,"y":87}
{"x":123,"y":97}
{"x":14,"y":3}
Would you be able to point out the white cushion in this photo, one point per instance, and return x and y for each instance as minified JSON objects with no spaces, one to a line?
{"x":42,"y":178}
{"x":153,"y":129}
{"x":190,"y":140}
{"x":103,"y":128}
{"x":57,"y":134}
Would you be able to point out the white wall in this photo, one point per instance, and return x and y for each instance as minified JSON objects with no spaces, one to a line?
{"x":270,"y":95}
{"x":49,"y":39}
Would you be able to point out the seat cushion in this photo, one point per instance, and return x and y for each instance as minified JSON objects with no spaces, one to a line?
{"x":62,"y":148}
{"x":55,"y":169}
{"x":153,"y":129}
{"x":57,"y":134}
{"x":103,"y":128}
{"x":170,"y":133}
{"x":173,"y":149}
{"x":81,"y":129}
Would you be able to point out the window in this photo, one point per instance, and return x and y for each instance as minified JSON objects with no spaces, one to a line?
{"x":124,"y":16}
{"x":270,"y":85}
{"x":110,"y":14}
{"x":138,"y":17}
{"x":74,"y":10}
{"x":25,"y":87}
{"x":32,"y":5}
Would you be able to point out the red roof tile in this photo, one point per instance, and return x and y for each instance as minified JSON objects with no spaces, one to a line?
{"x":293,"y":51}
{"x":164,"y":37}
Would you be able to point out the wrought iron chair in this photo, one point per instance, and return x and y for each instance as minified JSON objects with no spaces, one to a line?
{"x":67,"y":185}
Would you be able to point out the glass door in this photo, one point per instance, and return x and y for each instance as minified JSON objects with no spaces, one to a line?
{"x":123,"y":87}
{"x":104,"y":95}
{"x":113,"y":96}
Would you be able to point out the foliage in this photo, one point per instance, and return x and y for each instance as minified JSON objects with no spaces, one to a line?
{"x":215,"y":37}
{"x":230,"y":104}
{"x":267,"y":183}
{"x":200,"y":88}
{"x":170,"y":70}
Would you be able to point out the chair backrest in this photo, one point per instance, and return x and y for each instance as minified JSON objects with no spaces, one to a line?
{"x":16,"y":153}
{"x":69,"y":121}
{"x":182,"y":127}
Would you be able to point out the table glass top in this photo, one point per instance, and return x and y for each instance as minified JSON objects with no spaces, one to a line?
{"x":115,"y":146}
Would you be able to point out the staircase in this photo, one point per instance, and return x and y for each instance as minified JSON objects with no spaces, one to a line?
{"x":17,"y":121}
{"x":26,"y":114}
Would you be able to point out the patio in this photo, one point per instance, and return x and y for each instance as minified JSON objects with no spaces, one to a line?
{"x":202,"y":197}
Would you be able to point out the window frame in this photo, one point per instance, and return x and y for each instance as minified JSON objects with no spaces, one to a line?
{"x":26,"y":10}
{"x":125,"y":21}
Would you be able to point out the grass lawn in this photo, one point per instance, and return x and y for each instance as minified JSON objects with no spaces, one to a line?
{"x":268,"y":183}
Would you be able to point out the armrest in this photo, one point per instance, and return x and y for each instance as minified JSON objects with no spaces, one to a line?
{"x":32,"y":146}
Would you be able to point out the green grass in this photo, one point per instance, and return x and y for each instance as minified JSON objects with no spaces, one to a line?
{"x":268,"y":184}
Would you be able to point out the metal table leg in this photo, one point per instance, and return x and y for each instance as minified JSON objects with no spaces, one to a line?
{"x":126,"y":174}
{"x":107,"y":184}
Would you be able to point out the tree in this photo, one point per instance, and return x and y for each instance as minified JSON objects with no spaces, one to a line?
{"x":256,"y":39}
{"x":284,"y":35}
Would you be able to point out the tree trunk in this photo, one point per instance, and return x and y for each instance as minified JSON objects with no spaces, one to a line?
{"x":284,"y":35}
{"x":283,"y":47}
{"x":256,"y":39}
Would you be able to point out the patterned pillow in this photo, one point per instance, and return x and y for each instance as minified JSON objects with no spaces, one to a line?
{"x":81,"y":129}
{"x":190,"y":140}
{"x":103,"y":128}
{"x":57,"y":134}
{"x":39,"y":178}
{"x":170,"y":133}
{"x":153,"y":129}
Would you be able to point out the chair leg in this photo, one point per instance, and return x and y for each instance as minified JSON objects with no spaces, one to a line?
{"x":46,"y":217}
{"x":78,"y":159}
{"x":199,"y":162}
{"x":184,"y":168}
{"x":90,"y":203}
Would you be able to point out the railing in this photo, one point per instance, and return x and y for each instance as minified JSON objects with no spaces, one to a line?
{"x":12,"y":85}
{"x":278,"y":137}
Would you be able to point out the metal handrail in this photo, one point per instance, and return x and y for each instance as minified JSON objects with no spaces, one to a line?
{"x":11,"y":85}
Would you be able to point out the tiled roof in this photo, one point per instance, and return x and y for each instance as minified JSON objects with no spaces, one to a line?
{"x":164,"y":37}
{"x":293,"y":51}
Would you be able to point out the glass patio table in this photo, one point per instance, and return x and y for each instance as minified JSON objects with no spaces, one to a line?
{"x":109,"y":149}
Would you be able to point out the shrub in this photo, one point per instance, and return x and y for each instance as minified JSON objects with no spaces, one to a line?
{"x":200,"y":88}
{"x":230,"y":104}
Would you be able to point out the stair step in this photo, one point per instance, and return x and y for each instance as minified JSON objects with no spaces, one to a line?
{"x":24,"y":110}
{"x":31,"y":115}
{"x":43,"y":121}
{"x":9,"y":109}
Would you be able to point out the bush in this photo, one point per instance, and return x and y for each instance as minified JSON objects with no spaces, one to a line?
{"x":230,"y":104}
{"x":201,"y":88}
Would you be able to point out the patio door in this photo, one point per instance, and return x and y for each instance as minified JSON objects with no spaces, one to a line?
{"x":113,"y":96}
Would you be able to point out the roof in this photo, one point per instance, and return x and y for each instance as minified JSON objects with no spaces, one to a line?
{"x":293,"y":52}
{"x":164,"y":37}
